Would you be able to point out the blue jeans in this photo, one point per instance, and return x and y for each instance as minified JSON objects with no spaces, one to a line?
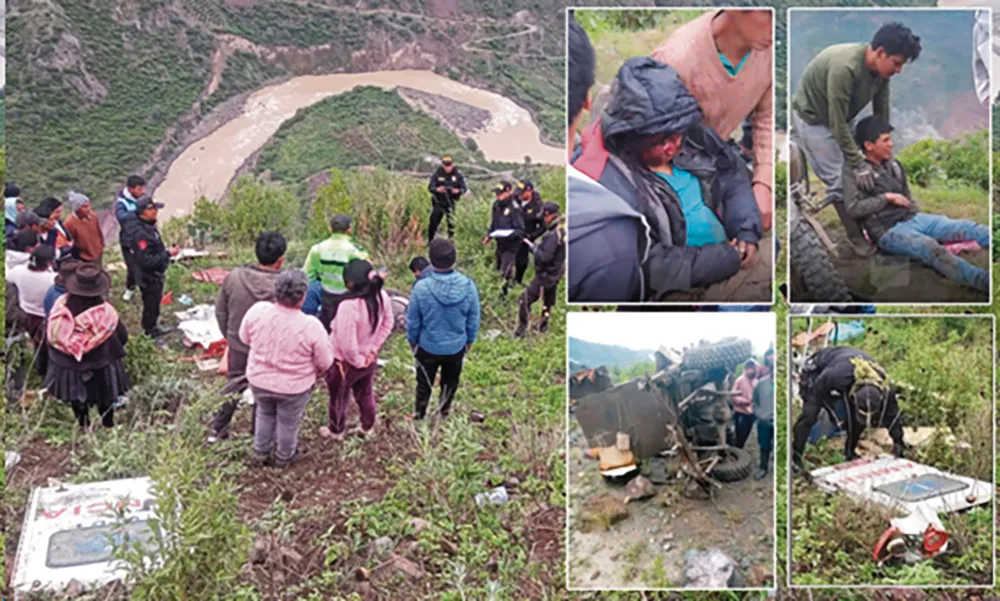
{"x":921,"y":238}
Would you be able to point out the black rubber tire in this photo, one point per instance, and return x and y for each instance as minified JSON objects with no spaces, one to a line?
{"x":736,"y":467}
{"x":812,"y":267}
{"x":399,"y":304}
{"x":726,"y":353}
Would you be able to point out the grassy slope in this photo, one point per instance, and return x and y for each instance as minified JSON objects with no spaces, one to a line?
{"x":358,"y":128}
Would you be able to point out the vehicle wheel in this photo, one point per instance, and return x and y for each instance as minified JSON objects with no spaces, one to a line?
{"x":726,"y":353}
{"x":734,"y":468}
{"x":812,"y":266}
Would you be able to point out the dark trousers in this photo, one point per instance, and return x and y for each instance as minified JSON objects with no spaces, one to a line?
{"x":744,"y":425}
{"x":521,"y":262}
{"x":535,"y":290}
{"x":439,"y":211}
{"x":152,"y":296}
{"x":236,"y":384}
{"x":506,"y":256}
{"x":765,"y":438}
{"x":130,"y":267}
{"x":427,"y":369}
{"x":96,"y":397}
{"x":341,"y":380}
{"x":329,"y":301}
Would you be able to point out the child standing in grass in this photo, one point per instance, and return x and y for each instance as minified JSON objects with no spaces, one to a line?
{"x":362,"y":325}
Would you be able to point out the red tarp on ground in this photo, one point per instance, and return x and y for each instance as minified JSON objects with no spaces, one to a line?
{"x":215,"y":275}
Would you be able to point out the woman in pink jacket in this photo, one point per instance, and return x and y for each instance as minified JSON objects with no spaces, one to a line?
{"x":288,"y":350}
{"x":743,"y":402}
{"x":362,"y":325}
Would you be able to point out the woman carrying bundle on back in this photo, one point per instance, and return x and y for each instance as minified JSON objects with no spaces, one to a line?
{"x":362,"y":325}
{"x":86,"y":346}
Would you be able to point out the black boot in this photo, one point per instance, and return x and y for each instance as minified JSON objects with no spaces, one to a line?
{"x":520,"y":331}
{"x":765,"y":457}
{"x":543,"y":325}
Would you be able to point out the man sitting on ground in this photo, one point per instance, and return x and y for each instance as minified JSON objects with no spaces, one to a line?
{"x":244,"y":287}
{"x":890,"y":215}
{"x":651,"y":149}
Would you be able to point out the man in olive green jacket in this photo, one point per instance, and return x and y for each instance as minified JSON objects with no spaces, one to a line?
{"x":325,"y":263}
{"x":836,"y":86}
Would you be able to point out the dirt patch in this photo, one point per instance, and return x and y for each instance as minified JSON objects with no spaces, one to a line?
{"x":892,"y":279}
{"x":462,"y":119}
{"x":739,"y":521}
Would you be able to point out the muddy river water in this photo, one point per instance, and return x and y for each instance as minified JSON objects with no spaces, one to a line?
{"x":207,"y":166}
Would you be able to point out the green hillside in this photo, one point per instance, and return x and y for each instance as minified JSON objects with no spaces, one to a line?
{"x":362,"y":127}
{"x":594,"y":354}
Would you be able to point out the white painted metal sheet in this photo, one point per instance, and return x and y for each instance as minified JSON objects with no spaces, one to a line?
{"x":68,"y":532}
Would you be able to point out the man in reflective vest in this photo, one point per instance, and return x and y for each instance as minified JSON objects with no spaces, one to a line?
{"x":325,"y":263}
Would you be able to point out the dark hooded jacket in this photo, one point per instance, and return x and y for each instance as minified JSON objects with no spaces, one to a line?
{"x":830,"y":370}
{"x":534,"y":221}
{"x":550,"y":254}
{"x":650,"y":99}
{"x":449,"y":180}
{"x":243,"y":288}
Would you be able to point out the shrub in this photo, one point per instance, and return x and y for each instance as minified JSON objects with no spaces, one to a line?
{"x":254,"y":207}
{"x":331,"y":198}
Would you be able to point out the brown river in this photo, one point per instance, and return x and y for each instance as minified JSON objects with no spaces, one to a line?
{"x":208,"y":165}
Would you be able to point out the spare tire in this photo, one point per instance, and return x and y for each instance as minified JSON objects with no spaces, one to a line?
{"x":812,"y":268}
{"x":734,"y":468}
{"x":726,"y":353}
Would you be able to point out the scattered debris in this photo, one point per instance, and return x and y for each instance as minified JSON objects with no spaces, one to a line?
{"x":74,"y":588}
{"x":806,"y":338}
{"x":497,"y":496}
{"x":291,"y":555}
{"x":189,"y":253}
{"x":186,"y":300}
{"x":612,"y":458}
{"x":405,"y":566}
{"x":258,"y":554}
{"x":708,"y":569}
{"x":362,"y":574}
{"x":602,"y":512}
{"x":476,"y":416}
{"x":200,"y":326}
{"x":11,"y":458}
{"x":918,"y":491}
{"x":639,"y":488}
{"x":383,"y":545}
{"x":208,"y":364}
{"x":915,"y":437}
{"x":418,"y":525}
{"x":657,"y":469}
{"x":492,"y":335}
{"x":68,"y":528}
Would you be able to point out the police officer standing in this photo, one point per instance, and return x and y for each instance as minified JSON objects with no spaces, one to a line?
{"x":507,"y":217}
{"x":550,"y":264}
{"x":446,"y":186}
{"x":151,"y":261}
{"x":530,"y":202}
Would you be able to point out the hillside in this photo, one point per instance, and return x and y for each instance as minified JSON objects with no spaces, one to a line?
{"x":362,"y":127}
{"x":593,"y":354}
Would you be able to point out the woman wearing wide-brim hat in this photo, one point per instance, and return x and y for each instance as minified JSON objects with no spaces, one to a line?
{"x":87,"y":347}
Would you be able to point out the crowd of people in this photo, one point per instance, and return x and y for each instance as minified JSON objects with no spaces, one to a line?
{"x":287,"y":330}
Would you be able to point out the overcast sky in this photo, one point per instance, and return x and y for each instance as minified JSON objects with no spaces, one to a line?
{"x":650,"y":331}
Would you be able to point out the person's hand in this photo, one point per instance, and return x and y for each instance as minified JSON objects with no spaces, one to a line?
{"x":440,"y":188}
{"x":747,"y":252}
{"x":468,"y":347}
{"x":174,"y":251}
{"x":764,"y":199}
{"x":864,"y":175}
{"x":897,"y":199}
{"x":486,"y":241}
{"x":530,"y":244}
{"x":455,"y":191}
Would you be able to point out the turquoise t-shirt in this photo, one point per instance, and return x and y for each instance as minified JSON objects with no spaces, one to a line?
{"x":729,"y":66}
{"x":703,"y":225}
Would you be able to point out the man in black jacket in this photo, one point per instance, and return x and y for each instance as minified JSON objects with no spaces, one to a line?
{"x":842,"y":373}
{"x":509,"y":220}
{"x":446,"y":186}
{"x":531,"y":203}
{"x":151,"y":259}
{"x":550,"y":263}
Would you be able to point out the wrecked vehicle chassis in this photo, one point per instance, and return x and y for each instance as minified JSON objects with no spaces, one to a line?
{"x":673,"y":412}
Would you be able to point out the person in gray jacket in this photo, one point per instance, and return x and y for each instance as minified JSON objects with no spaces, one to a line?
{"x":763,"y":411}
{"x":892,"y":218}
{"x":243,"y":288}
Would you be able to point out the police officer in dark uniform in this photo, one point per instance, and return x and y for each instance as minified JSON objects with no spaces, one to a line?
{"x":446,"y":186}
{"x":506,"y":216}
{"x":151,"y":258}
{"x":530,"y":202}
{"x":840,"y":373}
{"x":550,"y":264}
